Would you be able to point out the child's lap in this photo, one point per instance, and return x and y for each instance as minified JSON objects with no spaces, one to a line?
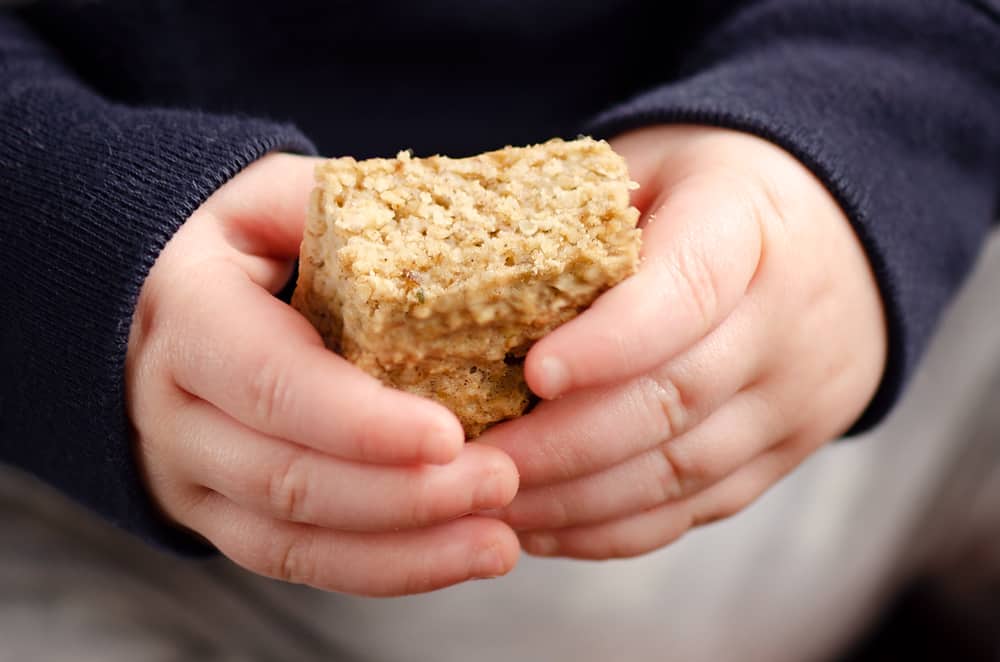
{"x":791,"y":578}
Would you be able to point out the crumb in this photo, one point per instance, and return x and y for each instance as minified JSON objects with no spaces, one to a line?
{"x":431,"y":273}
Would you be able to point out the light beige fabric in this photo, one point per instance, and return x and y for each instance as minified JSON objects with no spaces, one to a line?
{"x":791,"y":579}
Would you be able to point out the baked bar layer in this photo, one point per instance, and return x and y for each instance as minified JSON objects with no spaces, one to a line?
{"x":437,"y":274}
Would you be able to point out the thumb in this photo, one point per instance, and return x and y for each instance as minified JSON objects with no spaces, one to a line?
{"x":263,"y":208}
{"x":702,"y":244}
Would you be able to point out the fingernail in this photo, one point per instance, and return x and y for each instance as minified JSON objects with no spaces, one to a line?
{"x":555,"y":377}
{"x":488,"y":563}
{"x":539,"y":544}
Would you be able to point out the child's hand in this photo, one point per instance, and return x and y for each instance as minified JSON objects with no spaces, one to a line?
{"x":291,"y":461}
{"x":752,"y":334}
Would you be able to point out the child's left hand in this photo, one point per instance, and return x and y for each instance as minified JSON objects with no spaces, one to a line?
{"x":752,"y":334}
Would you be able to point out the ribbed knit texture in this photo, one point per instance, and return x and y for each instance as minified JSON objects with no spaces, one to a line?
{"x":90,"y":193}
{"x":895,"y":106}
{"x":892,"y":103}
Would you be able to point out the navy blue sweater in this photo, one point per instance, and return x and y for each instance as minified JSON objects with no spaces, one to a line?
{"x":118,"y":118}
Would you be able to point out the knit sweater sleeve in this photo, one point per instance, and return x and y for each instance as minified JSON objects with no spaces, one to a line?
{"x":893,"y":104}
{"x":90,"y":191}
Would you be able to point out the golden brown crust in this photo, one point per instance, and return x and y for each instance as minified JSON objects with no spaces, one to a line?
{"x":429,"y":273}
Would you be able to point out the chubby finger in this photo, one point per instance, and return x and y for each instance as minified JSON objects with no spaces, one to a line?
{"x":294,"y":483}
{"x":657,"y":527}
{"x":745,"y":485}
{"x":701,"y":249}
{"x":374,"y":564}
{"x":729,"y":438}
{"x":592,"y":430}
{"x":262,"y":363}
{"x":622,"y":538}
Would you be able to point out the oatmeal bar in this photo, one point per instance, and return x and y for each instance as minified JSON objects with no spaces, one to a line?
{"x":436,"y":275}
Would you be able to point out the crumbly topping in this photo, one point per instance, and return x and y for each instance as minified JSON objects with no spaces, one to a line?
{"x":432,"y":274}
{"x":412,"y":229}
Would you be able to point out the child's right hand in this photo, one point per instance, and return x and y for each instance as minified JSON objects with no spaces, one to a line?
{"x":291,"y":461}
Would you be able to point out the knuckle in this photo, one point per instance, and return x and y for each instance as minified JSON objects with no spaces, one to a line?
{"x":291,"y":560}
{"x":622,"y":549}
{"x":632,"y":547}
{"x":693,"y":470}
{"x":425,"y":507}
{"x":417,"y":578}
{"x":555,"y":513}
{"x":765,"y":207}
{"x":562,"y":515}
{"x":724,"y":509}
{"x":788,"y":453}
{"x":760,"y":195}
{"x":409,"y":577}
{"x":729,"y":507}
{"x":288,"y":490}
{"x":700,"y":290}
{"x":667,"y":484}
{"x":183,"y":504}
{"x":430,"y":501}
{"x":570,"y":460}
{"x":735,"y":499}
{"x":768,"y":206}
{"x":271,"y":391}
{"x":667,"y":403}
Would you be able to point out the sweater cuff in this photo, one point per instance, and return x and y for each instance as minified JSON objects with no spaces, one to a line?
{"x":93,"y":191}
{"x":920,"y":213}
